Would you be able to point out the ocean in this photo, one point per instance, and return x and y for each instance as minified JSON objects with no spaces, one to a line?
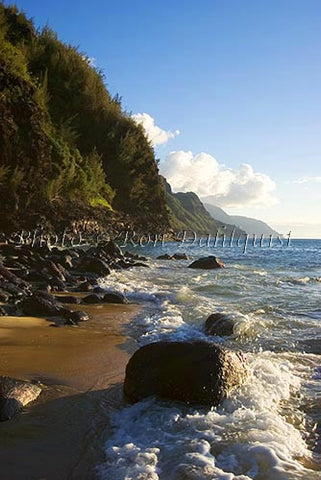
{"x":269,"y":428}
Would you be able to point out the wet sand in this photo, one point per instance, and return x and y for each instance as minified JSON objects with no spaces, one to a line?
{"x":60,"y":436}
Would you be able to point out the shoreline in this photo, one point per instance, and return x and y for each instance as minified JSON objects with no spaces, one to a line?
{"x":81,"y":369}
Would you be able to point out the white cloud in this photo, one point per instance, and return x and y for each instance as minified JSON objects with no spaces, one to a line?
{"x":155,"y":134}
{"x":307,"y":179}
{"x":216,"y":183}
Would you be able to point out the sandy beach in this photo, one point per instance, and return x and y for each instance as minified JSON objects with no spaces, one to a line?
{"x":81,"y":369}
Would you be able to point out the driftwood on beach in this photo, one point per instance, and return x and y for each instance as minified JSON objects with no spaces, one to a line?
{"x":14,"y":395}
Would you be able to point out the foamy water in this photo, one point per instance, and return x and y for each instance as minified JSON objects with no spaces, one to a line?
{"x":269,"y":428}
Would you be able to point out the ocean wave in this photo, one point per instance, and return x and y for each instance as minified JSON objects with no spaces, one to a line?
{"x":245,"y":439}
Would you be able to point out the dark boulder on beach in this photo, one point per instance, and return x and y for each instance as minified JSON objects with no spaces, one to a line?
{"x":84,"y":286}
{"x":92,"y":299}
{"x":9,"y":278}
{"x":78,"y":316}
{"x":165,"y":256}
{"x":4,"y":296}
{"x":99,"y":290}
{"x":14,"y":395}
{"x":43,"y":304}
{"x":220,"y":324}
{"x":311,"y":345}
{"x":176,"y":256}
{"x":36,"y":276}
{"x":112,"y":249}
{"x":90,"y":264}
{"x":68,"y":299}
{"x":193,"y":372}
{"x":210,"y":262}
{"x":134,"y":256}
{"x":140,"y":264}
{"x":180,"y":256}
{"x":115,"y":297}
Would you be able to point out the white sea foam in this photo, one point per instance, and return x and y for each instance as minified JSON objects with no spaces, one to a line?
{"x":246,"y":438}
{"x":259,"y":432}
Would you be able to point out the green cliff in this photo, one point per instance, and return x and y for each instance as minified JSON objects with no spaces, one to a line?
{"x":67,"y":148}
{"x":188,"y":212}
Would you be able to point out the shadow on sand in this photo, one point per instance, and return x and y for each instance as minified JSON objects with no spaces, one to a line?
{"x":58,"y":438}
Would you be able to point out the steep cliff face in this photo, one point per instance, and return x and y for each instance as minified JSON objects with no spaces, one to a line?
{"x":188,"y":212}
{"x":25,"y":146}
{"x":66,"y":145}
{"x":249,"y":225}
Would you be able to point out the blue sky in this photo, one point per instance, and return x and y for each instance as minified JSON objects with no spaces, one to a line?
{"x":239,"y":79}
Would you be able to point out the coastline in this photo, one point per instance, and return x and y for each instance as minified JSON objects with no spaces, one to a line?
{"x":81,"y":370}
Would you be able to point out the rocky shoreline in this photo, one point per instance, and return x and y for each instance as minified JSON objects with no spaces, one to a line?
{"x":32,"y":280}
{"x":55,"y":284}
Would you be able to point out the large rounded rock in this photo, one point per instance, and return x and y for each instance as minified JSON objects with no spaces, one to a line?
{"x":43,"y":304}
{"x":78,"y":316}
{"x":68,"y":299}
{"x":15,"y":394}
{"x":220,"y":324}
{"x":92,"y":299}
{"x":207,"y":263}
{"x":193,"y":372}
{"x":115,"y":297}
{"x":112,"y":249}
{"x":94,"y":265}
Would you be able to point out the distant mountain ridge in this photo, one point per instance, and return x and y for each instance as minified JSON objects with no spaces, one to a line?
{"x":187,"y":212}
{"x":249,"y":225}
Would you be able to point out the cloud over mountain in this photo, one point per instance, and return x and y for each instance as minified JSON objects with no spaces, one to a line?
{"x":155,"y":134}
{"x":216,"y":183}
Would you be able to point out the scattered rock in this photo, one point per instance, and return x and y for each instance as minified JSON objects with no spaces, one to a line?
{"x":180,"y":256}
{"x":115,"y":297}
{"x":139,"y":264}
{"x":220,"y":324}
{"x":93,"y":265}
{"x":165,"y":256}
{"x":58,"y":285}
{"x":38,"y":305}
{"x":15,"y":394}
{"x":311,"y":345}
{"x":193,"y":372}
{"x":45,"y":294}
{"x":79,"y":316}
{"x":112,"y":249}
{"x":3,"y":312}
{"x":11,"y":278}
{"x":11,"y":309}
{"x":91,"y":299}
{"x":99,"y":290}
{"x":68,"y":299}
{"x":4,"y":296}
{"x":207,"y":263}
{"x":134,"y":256}
{"x":35,"y":276}
{"x":85,"y":286}
{"x":70,"y":321}
{"x":176,"y":256}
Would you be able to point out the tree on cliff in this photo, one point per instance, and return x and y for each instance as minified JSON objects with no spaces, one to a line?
{"x":63,"y":139}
